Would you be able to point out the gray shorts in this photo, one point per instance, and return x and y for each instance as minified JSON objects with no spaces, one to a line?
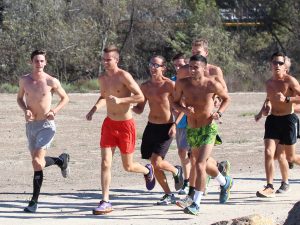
{"x":181,"y":138}
{"x":40,"y":134}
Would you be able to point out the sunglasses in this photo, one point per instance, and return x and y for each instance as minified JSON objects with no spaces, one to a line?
{"x":275,"y":63}
{"x":155,"y":65}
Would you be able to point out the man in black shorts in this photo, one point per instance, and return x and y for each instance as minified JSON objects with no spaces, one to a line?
{"x":160,"y":129}
{"x":283,"y":92}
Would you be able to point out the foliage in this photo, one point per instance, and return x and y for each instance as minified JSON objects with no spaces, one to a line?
{"x":75,"y":32}
{"x":8,"y":88}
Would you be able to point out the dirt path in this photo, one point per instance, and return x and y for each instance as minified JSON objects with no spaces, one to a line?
{"x":70,"y":201}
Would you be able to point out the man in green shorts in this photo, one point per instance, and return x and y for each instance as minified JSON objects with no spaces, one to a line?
{"x":198,"y":91}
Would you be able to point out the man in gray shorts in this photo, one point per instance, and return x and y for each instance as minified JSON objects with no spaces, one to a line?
{"x":178,"y":61}
{"x":34,"y":98}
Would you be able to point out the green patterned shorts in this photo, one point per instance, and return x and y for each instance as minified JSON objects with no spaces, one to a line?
{"x":198,"y":137}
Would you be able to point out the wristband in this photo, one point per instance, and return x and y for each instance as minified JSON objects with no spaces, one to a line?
{"x":220,"y":114}
{"x":287,"y":99}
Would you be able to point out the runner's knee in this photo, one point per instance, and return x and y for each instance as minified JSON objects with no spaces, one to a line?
{"x":37,"y":164}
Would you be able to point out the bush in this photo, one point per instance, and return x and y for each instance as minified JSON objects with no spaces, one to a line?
{"x":8,"y":88}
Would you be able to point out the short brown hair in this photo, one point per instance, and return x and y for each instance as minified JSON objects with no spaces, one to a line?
{"x":160,"y":57}
{"x":278,"y":54}
{"x":37,"y":52}
{"x":178,"y":56}
{"x":200,"y":42}
{"x":112,"y":48}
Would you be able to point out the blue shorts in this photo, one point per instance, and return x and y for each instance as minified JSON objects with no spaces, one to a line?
{"x":181,"y":138}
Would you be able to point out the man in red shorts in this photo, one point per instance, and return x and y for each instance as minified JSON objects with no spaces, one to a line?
{"x":117,"y":90}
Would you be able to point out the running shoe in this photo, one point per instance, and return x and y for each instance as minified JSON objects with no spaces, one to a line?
{"x":103,"y":208}
{"x":185,"y":189}
{"x":225,"y":190}
{"x":149,"y":178}
{"x":65,"y":168}
{"x":167,"y":199}
{"x":178,"y":178}
{"x":224,"y":168}
{"x":32,"y":207}
{"x":267,"y":192}
{"x":185,"y":202}
{"x":291,"y":165}
{"x":283,"y":189}
{"x":193,"y":209}
{"x":208,"y":178}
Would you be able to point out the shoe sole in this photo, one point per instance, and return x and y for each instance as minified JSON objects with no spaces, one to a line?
{"x":187,"y":211}
{"x":180,"y":181}
{"x":282,"y":192}
{"x":102,"y":212}
{"x":228,"y":168}
{"x":68,"y":171}
{"x":29,"y":211}
{"x":149,"y":189}
{"x":229,"y":189}
{"x":181,"y":205}
{"x":258,"y":194}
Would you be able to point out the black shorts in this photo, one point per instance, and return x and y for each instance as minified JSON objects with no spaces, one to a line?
{"x":156,"y":140}
{"x":283,"y":128}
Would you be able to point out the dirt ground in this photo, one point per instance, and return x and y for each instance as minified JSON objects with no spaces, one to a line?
{"x":70,"y":201}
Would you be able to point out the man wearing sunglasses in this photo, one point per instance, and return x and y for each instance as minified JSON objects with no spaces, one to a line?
{"x":284,"y":165}
{"x":280,"y":135}
{"x":160,"y":129}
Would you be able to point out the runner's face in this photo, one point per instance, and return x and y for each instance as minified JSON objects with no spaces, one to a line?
{"x":177,"y":63}
{"x":278,"y":65}
{"x":38,"y":62}
{"x":109,"y":60}
{"x":156,"y":67}
{"x":196,"y":68}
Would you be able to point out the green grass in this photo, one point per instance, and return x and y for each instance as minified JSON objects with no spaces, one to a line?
{"x":247,"y":114}
{"x":8,"y":88}
{"x":81,"y":86}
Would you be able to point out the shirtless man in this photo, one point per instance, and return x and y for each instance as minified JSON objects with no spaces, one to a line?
{"x":283,"y":164}
{"x":35,"y":98}
{"x":160,"y":129}
{"x":198,"y":91}
{"x":117,"y":90}
{"x":178,"y":61}
{"x":200,"y":46}
{"x":280,"y":136}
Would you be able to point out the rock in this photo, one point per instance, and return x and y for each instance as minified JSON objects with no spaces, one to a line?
{"x":248,"y":220}
{"x":294,"y":215}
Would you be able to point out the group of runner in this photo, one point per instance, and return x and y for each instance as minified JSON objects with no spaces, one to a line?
{"x":185,"y":107}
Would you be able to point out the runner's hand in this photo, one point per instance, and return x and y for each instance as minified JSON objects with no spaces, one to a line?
{"x":114,"y":99}
{"x":257,"y":117}
{"x":172,"y":131}
{"x":280,"y":97}
{"x":28,"y":115}
{"x":50,"y":115}
{"x":189,"y":110}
